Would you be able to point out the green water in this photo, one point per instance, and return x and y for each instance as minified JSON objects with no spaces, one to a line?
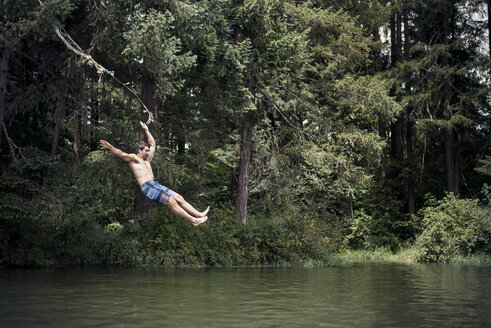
{"x":362,"y":295}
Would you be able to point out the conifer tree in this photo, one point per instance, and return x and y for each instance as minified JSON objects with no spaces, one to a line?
{"x":350,"y":104}
{"x":260,"y":53}
{"x":143,"y":38}
{"x":441,"y":80}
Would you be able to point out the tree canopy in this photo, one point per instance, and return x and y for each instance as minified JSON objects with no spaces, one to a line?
{"x":308,"y":126}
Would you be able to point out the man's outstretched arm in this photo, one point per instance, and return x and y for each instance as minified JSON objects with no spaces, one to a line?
{"x":118,"y":152}
{"x":151,"y":141}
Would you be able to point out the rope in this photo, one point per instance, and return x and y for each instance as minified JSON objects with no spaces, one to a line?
{"x":74,"y":47}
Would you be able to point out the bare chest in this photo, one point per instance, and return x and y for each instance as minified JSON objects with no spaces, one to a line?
{"x":140,"y":165}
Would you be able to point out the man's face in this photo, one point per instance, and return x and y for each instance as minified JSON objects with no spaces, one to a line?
{"x":143,"y":153}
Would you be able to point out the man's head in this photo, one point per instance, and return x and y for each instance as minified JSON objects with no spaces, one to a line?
{"x":143,"y":149}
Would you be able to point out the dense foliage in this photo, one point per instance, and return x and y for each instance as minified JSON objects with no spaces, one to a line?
{"x":310,"y":127}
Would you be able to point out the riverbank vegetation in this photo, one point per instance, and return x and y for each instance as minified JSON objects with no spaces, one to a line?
{"x":319,"y":132}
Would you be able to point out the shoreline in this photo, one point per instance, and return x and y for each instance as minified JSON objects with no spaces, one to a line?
{"x":347,"y":257}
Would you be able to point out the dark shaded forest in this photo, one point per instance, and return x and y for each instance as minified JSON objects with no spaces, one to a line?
{"x":310,"y":128}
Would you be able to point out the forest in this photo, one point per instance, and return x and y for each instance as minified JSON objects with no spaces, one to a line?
{"x":312,"y":129}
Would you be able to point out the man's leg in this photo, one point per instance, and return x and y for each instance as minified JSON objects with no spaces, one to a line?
{"x":176,"y":208}
{"x":190,"y":209}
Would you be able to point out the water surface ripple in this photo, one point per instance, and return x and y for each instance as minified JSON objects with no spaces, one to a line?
{"x":361,"y":295}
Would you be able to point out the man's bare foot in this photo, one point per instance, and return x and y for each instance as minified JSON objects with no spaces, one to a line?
{"x":203,"y":214}
{"x":199,"y":221}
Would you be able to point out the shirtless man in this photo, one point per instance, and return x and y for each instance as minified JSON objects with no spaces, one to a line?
{"x":141,"y":168}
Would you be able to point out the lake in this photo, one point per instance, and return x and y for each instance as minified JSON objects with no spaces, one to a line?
{"x":358,"y":295}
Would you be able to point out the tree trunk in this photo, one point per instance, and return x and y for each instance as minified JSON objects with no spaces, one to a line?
{"x":411,"y":197}
{"x":181,"y":140}
{"x":164,"y":133}
{"x":382,"y":128}
{"x":76,"y":135}
{"x":244,"y":166}
{"x":148,"y":96}
{"x":398,"y":37}
{"x":234,"y":182}
{"x":449,"y":155}
{"x":456,"y":167}
{"x":56,"y":131}
{"x":450,"y":169}
{"x":382,"y":131}
{"x":242,"y":195}
{"x":407,"y":42}
{"x":489,"y":32}
{"x":489,"y":27}
{"x":377,"y":59}
{"x":396,"y":149}
{"x":4,"y":66}
{"x":395,"y":38}
{"x":181,"y":145}
{"x":56,"y":136}
{"x":392,"y":39}
{"x":141,"y":206}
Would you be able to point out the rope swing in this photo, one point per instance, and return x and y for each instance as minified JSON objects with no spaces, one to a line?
{"x":74,"y":47}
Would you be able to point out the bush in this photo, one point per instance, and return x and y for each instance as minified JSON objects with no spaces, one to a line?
{"x":378,"y":222}
{"x":452,"y":228}
{"x":289,"y":240}
{"x":171,"y":241}
{"x":222,"y":241}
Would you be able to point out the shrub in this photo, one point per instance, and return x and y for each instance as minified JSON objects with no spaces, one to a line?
{"x":378,"y":221}
{"x":373,"y":232}
{"x":453,"y":227}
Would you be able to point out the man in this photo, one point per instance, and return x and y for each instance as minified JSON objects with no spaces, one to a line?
{"x":142,"y":170}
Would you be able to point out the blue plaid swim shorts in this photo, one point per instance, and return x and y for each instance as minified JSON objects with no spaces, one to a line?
{"x":154,"y":191}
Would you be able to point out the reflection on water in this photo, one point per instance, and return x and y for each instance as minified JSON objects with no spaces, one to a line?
{"x":363,"y":295}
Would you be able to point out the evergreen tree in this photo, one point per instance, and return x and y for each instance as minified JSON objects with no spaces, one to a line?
{"x":260,"y":53}
{"x":144,"y":39}
{"x":445,"y":90}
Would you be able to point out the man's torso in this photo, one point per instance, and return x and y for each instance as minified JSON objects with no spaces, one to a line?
{"x":142,"y":170}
